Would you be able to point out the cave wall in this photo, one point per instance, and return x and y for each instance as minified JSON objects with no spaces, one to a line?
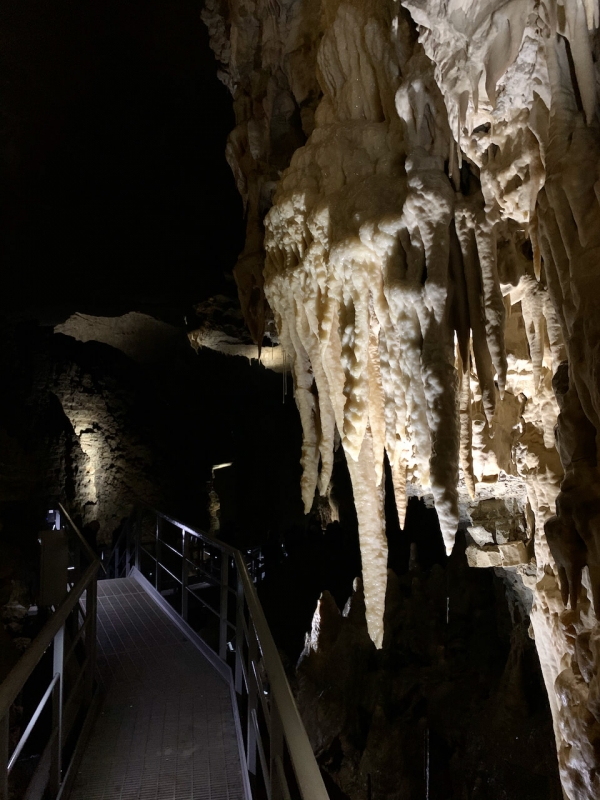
{"x":453,"y":704}
{"x":83,"y":415}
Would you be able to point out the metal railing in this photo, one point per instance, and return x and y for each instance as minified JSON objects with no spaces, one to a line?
{"x":58,"y":667}
{"x":207,"y":582}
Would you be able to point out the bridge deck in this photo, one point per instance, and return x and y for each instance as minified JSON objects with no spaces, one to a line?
{"x":166,"y":729}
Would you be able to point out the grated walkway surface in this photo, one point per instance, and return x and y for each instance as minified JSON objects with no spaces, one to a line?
{"x":166,"y":730}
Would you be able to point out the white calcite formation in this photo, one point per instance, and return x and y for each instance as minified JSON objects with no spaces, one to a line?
{"x":432,"y":263}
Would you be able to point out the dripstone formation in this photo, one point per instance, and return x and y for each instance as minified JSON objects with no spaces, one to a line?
{"x":423,"y":214}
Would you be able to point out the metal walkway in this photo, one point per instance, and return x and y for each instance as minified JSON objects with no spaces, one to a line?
{"x":171,"y":698}
{"x":167,"y":729}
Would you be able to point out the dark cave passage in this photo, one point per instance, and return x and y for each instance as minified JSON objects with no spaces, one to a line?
{"x":115,"y":193}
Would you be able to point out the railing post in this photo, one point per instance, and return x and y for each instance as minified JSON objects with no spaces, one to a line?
{"x":4,"y":754}
{"x":117,"y":560}
{"x":137,"y":537}
{"x":185,"y":551}
{"x":91,"y":606}
{"x":239,"y":635}
{"x":224,"y":605}
{"x":157,"y":553}
{"x":127,"y":547}
{"x":57,"y":704}
{"x":252,"y":698}
{"x":77,"y":561}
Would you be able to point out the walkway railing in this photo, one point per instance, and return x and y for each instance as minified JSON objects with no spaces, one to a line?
{"x":39,"y":746}
{"x":208,"y":584}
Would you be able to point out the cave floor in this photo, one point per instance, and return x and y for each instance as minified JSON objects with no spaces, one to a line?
{"x":166,"y":728}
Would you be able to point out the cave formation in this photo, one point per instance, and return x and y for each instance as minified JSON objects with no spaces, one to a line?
{"x":419,"y":183}
{"x":430,"y":266}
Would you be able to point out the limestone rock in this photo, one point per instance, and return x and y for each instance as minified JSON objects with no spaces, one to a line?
{"x":274,"y":99}
{"x":510,"y":554}
{"x":485,"y":556}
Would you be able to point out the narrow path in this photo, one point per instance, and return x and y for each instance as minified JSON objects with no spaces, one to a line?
{"x":166,"y":730}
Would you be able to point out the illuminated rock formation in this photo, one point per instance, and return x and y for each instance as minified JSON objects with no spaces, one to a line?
{"x":431,"y":264}
{"x":274,"y":97}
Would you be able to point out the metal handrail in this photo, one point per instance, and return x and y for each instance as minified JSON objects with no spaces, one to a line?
{"x":301,"y":753}
{"x":17,"y":677}
{"x":53,"y":633}
{"x":260,"y":682}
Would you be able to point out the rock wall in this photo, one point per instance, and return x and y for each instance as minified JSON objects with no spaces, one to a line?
{"x":267,"y":57}
{"x":431,"y":264}
{"x":117,"y":465}
{"x":443,"y":709}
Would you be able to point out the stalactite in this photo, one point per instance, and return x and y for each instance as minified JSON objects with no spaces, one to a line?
{"x":370,"y":307}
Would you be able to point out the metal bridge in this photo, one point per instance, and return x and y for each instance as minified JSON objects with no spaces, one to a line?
{"x":161,"y":681}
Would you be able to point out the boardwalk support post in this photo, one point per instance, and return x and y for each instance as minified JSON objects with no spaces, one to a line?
{"x":239,"y":636}
{"x":223,"y":606}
